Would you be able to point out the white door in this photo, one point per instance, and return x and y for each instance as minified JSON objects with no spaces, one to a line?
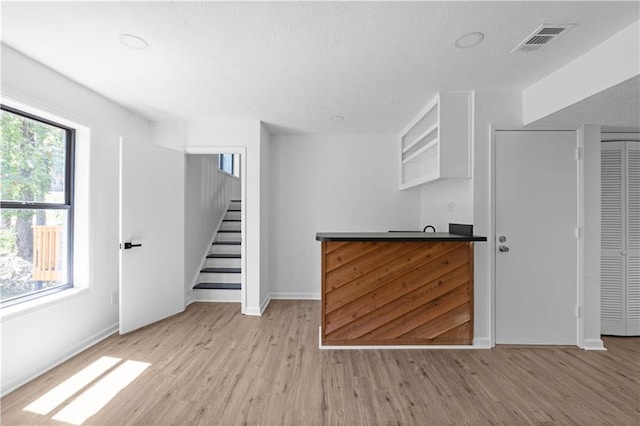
{"x":152,"y":216}
{"x":536,"y":247}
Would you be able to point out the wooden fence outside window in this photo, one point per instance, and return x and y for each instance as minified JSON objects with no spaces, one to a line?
{"x":47,"y":253}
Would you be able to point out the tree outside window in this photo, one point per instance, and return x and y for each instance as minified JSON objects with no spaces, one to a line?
{"x":36,"y":159}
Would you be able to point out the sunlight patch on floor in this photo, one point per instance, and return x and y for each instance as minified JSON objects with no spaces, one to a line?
{"x":95,"y":386}
{"x":97,"y":396}
{"x":65,"y":390}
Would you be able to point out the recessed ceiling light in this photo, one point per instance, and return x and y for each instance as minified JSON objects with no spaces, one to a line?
{"x":336,"y":118}
{"x":469,"y":40}
{"x":132,"y":41}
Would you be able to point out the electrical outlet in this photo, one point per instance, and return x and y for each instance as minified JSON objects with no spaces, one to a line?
{"x":114,"y":298}
{"x":451,"y":207}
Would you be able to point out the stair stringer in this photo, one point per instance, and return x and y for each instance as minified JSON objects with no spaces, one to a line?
{"x":190,"y":298}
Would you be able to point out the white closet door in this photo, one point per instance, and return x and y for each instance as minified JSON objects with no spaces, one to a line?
{"x":633,"y":238}
{"x":612,"y":272}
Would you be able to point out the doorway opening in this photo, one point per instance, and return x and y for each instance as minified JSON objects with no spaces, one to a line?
{"x":215,"y":225}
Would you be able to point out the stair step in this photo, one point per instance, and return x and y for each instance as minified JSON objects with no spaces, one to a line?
{"x":227,"y":243}
{"x":232,"y":220}
{"x":224,"y":256}
{"x":228,"y":236}
{"x":222,"y":270}
{"x":231,"y":226}
{"x":217,"y":262}
{"x":234,"y":210}
{"x":226,"y":249}
{"x":218,"y":286}
{"x":230,"y":230}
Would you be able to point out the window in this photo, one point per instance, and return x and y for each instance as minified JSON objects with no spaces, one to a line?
{"x":225,"y":163}
{"x":36,"y":220}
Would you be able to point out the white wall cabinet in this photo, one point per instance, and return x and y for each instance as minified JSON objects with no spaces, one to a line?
{"x":437,"y":143}
{"x":620,"y":244}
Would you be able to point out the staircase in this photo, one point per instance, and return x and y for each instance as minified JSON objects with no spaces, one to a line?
{"x":221,"y":276}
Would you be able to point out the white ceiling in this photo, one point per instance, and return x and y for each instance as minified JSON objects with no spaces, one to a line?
{"x":296,"y":64}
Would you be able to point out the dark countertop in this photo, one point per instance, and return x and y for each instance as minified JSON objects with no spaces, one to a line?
{"x":395,"y":236}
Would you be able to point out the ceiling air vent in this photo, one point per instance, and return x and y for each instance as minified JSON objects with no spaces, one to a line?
{"x":543,"y":36}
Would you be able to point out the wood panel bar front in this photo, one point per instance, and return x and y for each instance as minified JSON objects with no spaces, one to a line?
{"x":417,"y":292}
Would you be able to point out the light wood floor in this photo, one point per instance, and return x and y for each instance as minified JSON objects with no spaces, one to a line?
{"x":211,"y":365}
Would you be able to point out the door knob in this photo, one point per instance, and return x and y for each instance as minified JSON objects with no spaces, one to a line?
{"x":502,"y":238}
{"x":129,"y":245}
{"x":503,"y":249}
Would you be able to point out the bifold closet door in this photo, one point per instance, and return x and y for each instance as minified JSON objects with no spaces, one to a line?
{"x":620,"y":243}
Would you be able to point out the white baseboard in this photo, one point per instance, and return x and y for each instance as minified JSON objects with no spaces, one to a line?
{"x":593,"y":345}
{"x":295,"y":296}
{"x":400,"y":347}
{"x":264,"y":304}
{"x":482,"y":343}
{"x":253,"y":311}
{"x":188,"y":299}
{"x":258,"y":311}
{"x":57,"y":360}
{"x":392,"y":347}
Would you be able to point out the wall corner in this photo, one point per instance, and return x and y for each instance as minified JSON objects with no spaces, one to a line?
{"x":589,"y":204}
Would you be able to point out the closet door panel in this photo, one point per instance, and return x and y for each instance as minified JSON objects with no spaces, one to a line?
{"x":612,"y":271}
{"x":633,"y":238}
{"x":633,"y":296}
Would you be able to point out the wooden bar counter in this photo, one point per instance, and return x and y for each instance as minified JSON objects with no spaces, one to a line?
{"x":397,"y":288}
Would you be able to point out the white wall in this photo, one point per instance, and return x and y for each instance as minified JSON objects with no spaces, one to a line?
{"x":265,"y":215}
{"x":589,"y":139}
{"x":501,"y":110}
{"x":169,"y":134}
{"x":446,"y":201}
{"x":34,"y":341}
{"x":330,"y":183}
{"x":207,"y":195}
